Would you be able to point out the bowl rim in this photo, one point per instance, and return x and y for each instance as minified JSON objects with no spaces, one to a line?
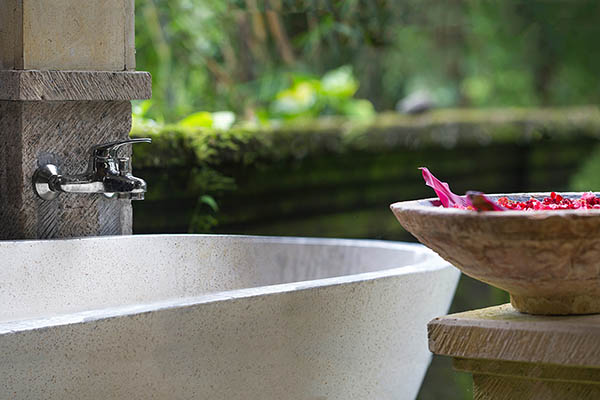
{"x":420,"y":206}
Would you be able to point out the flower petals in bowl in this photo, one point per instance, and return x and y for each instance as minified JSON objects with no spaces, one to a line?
{"x":548,"y":260}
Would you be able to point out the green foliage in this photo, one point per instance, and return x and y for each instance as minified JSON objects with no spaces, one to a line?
{"x":254,"y":57}
{"x":309,"y":97}
{"x":201,"y":119}
{"x":587,"y":178}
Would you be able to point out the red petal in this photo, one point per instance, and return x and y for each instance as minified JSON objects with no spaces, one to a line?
{"x":481,"y":203}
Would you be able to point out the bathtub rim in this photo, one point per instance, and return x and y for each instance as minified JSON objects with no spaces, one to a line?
{"x":431,"y":263}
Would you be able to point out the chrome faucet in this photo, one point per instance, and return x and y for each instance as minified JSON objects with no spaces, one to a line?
{"x":107,"y":174}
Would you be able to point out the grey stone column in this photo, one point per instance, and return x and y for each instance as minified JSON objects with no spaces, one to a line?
{"x":56,"y":116}
{"x":66,"y":79}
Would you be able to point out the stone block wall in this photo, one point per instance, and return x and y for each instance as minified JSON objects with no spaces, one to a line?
{"x":56,"y":117}
{"x":66,"y":78}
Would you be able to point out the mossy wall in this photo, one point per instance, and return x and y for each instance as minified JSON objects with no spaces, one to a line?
{"x":336,"y":178}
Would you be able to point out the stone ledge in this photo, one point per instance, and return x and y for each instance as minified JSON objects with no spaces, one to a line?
{"x":531,"y":371}
{"x":33,"y":85}
{"x":502,"y":333}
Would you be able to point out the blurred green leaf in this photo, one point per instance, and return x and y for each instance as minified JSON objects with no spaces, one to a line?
{"x":297,"y":99}
{"x":339,"y":83}
{"x":362,"y":109}
{"x":223,"y":119}
{"x":209,"y":201}
{"x":198,"y":119}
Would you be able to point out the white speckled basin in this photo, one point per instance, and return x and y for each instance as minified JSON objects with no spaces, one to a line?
{"x":217,"y":317}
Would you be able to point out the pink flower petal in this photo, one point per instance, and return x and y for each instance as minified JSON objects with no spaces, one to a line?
{"x":443,"y":191}
{"x":588,"y":196}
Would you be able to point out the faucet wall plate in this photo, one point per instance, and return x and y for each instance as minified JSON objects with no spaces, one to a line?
{"x":41,"y":181}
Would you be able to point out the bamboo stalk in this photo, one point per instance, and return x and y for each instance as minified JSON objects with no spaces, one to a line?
{"x":280,"y":35}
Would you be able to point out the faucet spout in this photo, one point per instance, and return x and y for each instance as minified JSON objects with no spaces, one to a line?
{"x":75,"y":184}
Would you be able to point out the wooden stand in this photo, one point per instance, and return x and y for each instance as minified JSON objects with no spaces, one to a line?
{"x":519,"y":356}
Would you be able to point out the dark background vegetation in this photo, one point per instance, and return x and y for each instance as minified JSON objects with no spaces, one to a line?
{"x":237,"y":55}
{"x":281,"y":117}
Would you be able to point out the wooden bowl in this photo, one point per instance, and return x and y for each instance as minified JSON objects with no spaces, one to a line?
{"x":549,"y":261}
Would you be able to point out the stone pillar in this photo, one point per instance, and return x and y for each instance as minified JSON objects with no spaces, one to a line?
{"x":66,"y":80}
{"x":519,"y":356}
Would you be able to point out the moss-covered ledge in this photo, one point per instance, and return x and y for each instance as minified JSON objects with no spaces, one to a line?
{"x":337,"y":176}
{"x":176,"y":145}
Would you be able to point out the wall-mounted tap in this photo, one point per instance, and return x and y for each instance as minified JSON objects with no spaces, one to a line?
{"x":107,"y":174}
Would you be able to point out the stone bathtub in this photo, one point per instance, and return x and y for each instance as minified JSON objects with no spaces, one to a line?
{"x":217,"y":317}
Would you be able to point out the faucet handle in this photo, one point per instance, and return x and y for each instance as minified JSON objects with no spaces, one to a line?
{"x":109,"y":150}
{"x":124,"y":165}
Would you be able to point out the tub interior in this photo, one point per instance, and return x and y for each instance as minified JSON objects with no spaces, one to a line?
{"x":47,"y":278}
